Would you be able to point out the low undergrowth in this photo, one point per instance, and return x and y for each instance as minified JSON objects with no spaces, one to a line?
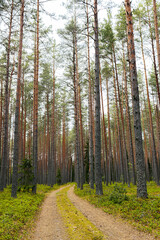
{"x":17,"y":214}
{"x":142,"y":213}
{"x":77,"y":225}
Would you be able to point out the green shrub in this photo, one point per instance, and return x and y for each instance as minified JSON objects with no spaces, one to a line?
{"x":25,"y":180}
{"x":118,"y":195}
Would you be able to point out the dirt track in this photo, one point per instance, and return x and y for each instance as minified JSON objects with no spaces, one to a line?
{"x":115,"y":228}
{"x":50,"y":226}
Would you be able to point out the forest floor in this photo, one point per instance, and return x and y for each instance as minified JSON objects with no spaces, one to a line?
{"x":57,"y":220}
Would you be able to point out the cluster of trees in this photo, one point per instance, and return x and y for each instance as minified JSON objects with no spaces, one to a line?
{"x":115,"y":135}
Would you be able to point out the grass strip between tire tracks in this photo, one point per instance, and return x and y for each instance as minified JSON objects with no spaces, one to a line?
{"x":78,"y":226}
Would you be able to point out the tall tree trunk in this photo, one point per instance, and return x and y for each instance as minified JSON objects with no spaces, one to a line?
{"x":122,"y":172}
{"x":25,"y":122}
{"x":153,"y":52}
{"x":158,"y":135}
{"x":63,"y":147}
{"x":76,"y":116}
{"x":107,"y":171}
{"x":131,"y":152}
{"x":157,"y":41}
{"x":3,"y":176}
{"x":98,"y":175}
{"x":53,"y":158}
{"x":22,"y":117}
{"x":35,"y":109}
{"x":141,"y":178}
{"x":79,"y":113}
{"x":17,"y":110}
{"x":126,"y":175}
{"x":1,"y":116}
{"x":109,"y":132}
{"x":145,"y":150}
{"x":91,"y":168}
{"x":154,"y":155}
{"x":48,"y":146}
{"x":44,"y":154}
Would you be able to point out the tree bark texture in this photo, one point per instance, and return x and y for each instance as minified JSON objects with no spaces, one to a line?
{"x":154,"y":155}
{"x":3,"y":176}
{"x":35,"y":108}
{"x":98,"y":175}
{"x":91,"y":168}
{"x":17,"y":110}
{"x":157,"y":40}
{"x":153,"y":52}
{"x":76,"y":117}
{"x":140,"y":166}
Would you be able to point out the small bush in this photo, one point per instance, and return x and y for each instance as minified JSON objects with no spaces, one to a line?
{"x":118,"y":195}
{"x":25,"y":180}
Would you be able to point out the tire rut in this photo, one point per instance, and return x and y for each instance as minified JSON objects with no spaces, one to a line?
{"x":114,"y":227}
{"x":49,"y":225}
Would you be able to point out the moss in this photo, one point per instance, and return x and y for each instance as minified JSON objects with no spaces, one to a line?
{"x":78,"y":226}
{"x":16,"y":215}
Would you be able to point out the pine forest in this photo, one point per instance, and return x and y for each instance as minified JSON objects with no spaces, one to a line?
{"x":79,"y":119}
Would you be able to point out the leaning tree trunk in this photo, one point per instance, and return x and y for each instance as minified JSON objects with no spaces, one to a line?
{"x":98,"y":175}
{"x":17,"y":110}
{"x":141,"y":178}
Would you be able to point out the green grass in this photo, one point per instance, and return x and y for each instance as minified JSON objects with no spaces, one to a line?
{"x":17,"y":214}
{"x":78,"y":226}
{"x":143,"y":214}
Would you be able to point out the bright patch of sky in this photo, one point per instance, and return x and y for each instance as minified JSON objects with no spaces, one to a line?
{"x":58,"y":11}
{"x":57,"y":8}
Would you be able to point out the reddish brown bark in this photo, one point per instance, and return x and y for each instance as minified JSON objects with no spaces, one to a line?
{"x":154,"y":156}
{"x":153,"y":52}
{"x":3,"y":175}
{"x":35,"y":108}
{"x":17,"y":111}
{"x":157,"y":42}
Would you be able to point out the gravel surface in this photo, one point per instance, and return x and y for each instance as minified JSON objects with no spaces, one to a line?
{"x":49,"y":225}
